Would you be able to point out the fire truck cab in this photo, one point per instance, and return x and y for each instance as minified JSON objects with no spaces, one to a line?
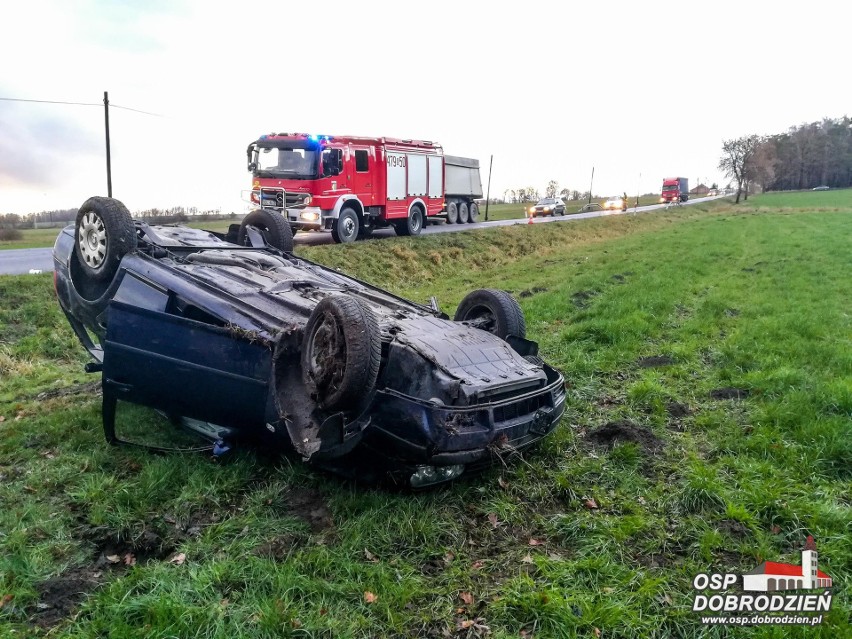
{"x":349,"y":185}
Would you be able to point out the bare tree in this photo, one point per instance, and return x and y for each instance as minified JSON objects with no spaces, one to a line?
{"x":736,"y":161}
{"x":552,"y":189}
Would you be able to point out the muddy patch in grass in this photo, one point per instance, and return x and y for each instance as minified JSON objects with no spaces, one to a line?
{"x":729,"y":393}
{"x":581,"y":298}
{"x":60,"y":596}
{"x":279,"y":549}
{"x":88,"y":388}
{"x":309,"y":505}
{"x":677,"y":410}
{"x":532,"y":291}
{"x":625,"y":431}
{"x":655,"y":360}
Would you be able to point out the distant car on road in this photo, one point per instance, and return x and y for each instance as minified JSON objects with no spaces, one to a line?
{"x":615,"y":204}
{"x":547,"y":206}
{"x":822,"y":187}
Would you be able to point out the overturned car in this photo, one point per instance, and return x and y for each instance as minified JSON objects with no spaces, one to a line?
{"x":234,"y":331}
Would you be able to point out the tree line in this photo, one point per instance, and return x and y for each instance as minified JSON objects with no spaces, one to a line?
{"x":531,"y":194}
{"x":804,"y":157}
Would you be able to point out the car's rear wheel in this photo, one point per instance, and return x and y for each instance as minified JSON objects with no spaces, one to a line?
{"x":494,"y":311}
{"x":464,"y":213}
{"x":473,"y":212}
{"x":452,"y":213}
{"x":103,"y":233}
{"x":341,"y":352}
{"x":272,"y":226}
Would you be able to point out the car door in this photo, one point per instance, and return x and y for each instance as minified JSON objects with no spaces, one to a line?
{"x":165,"y":352}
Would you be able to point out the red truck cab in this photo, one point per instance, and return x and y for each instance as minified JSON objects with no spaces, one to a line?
{"x":675,"y":190}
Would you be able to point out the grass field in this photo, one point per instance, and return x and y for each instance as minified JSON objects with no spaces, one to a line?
{"x":708,"y":355}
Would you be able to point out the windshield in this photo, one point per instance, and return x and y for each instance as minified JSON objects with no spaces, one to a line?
{"x":547,"y":201}
{"x":670,"y":187}
{"x":285,"y":162}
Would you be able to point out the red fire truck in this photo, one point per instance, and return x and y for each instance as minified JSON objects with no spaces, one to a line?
{"x":352,"y":185}
{"x":675,"y":190}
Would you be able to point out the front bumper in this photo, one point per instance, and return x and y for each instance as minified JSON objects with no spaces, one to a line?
{"x":307,"y":218}
{"x":410,"y":432}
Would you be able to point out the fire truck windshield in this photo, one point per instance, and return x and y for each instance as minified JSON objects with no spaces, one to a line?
{"x":288,"y":163}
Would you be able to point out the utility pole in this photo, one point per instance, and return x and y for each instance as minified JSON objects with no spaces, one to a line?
{"x":106,"y":126}
{"x":638,"y":190}
{"x":590,"y":185}
{"x":488,"y":192}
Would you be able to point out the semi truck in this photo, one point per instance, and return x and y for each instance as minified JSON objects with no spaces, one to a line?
{"x":352,"y":185}
{"x":675,"y":189}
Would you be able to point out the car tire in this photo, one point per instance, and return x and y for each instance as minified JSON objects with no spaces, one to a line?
{"x":413,"y":224}
{"x":497,"y":311}
{"x":464,"y":213}
{"x":103,"y":234}
{"x":472,"y":212}
{"x":273,"y":226}
{"x":346,"y":227}
{"x":452,"y":213}
{"x":341,"y":352}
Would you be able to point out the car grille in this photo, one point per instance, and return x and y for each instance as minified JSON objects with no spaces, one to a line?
{"x":521,"y":408}
{"x":280,"y":198}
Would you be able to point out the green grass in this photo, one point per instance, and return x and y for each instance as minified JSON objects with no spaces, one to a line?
{"x":740,"y":297}
{"x":834,"y":199}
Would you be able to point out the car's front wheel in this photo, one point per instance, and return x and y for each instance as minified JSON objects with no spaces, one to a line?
{"x":494,"y":311}
{"x":103,"y":234}
{"x":341,"y":352}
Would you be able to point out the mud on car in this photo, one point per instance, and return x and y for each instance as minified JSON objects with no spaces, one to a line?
{"x":235,"y":331}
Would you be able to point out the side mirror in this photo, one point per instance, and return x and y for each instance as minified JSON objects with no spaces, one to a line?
{"x":252,"y":167}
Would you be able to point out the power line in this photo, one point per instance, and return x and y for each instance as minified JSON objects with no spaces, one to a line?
{"x":95,"y":104}
{"x":51,"y":102}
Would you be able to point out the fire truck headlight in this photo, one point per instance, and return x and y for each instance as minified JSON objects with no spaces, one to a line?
{"x":311,"y":216}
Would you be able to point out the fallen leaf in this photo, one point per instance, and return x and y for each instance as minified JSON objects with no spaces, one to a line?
{"x":534,"y":542}
{"x":591,"y":504}
{"x":129,"y":559}
{"x":224,"y":603}
{"x":323,"y":612}
{"x":459,"y":611}
{"x":776,"y":530}
{"x":464,"y":624}
{"x":665,"y":599}
{"x":476,"y":565}
{"x":448,"y":558}
{"x":6,"y":599}
{"x":502,"y":483}
{"x":113,"y":559}
{"x":370,"y":556}
{"x":295,"y":623}
{"x":466,"y":597}
{"x":493,"y":519}
{"x":527,"y":559}
{"x":2,"y":418}
{"x":597,"y":632}
{"x":369,"y":597}
{"x":178,"y":559}
{"x":609,"y":590}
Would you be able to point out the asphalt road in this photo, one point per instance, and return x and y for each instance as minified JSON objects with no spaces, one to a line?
{"x":19,"y":261}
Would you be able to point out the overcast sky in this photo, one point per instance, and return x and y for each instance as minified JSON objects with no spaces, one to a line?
{"x":551,"y":89}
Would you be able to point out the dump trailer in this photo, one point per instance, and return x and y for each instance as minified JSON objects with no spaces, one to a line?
{"x":352,"y":185}
{"x":675,"y":190}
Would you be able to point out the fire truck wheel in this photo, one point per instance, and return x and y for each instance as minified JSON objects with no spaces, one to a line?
{"x":104,"y":233}
{"x":494,"y":311}
{"x":413,"y":225}
{"x":346,"y":226}
{"x":273,"y":226}
{"x":464,"y":213}
{"x":341,"y":352}
{"x":452,"y":213}
{"x":473,"y":212}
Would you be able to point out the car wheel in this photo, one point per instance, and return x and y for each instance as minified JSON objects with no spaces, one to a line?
{"x":413,"y":225}
{"x":473,"y":212}
{"x":103,"y":234}
{"x":464,"y":213}
{"x":452,"y":213}
{"x":346,"y":227}
{"x":273,"y":226}
{"x":494,"y":311}
{"x":341,"y":352}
